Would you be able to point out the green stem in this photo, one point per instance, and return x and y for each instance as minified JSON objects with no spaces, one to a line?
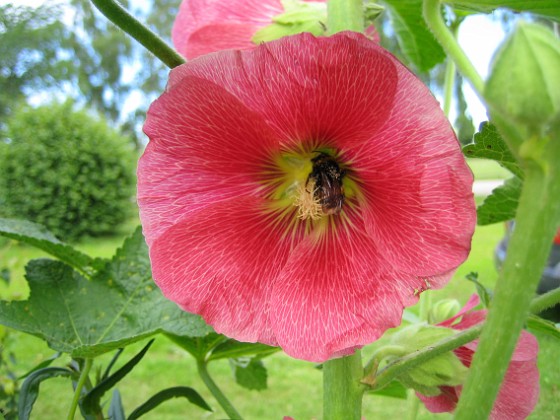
{"x":537,"y":219}
{"x":128,"y":23}
{"x":216,"y":391}
{"x":448,"y":86}
{"x":342,"y":390}
{"x":345,"y":15}
{"x":545,"y":301}
{"x":432,"y":16}
{"x":413,"y":404}
{"x":405,"y":363}
{"x":84,"y":375}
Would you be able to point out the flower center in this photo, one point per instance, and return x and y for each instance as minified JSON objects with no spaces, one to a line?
{"x":315,"y":182}
{"x":323,"y":192}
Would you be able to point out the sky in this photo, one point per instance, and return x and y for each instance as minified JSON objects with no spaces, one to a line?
{"x":478,"y":35}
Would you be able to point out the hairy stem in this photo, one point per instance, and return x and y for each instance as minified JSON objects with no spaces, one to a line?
{"x":132,"y":26}
{"x":84,"y":376}
{"x":545,"y":301}
{"x":342,"y":390}
{"x":432,"y":16}
{"x":345,"y":15}
{"x":537,"y":219}
{"x":216,"y":391}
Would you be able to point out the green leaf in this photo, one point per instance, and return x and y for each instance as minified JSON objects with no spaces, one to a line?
{"x":488,"y":144}
{"x":42,"y":365}
{"x":393,"y":389}
{"x":537,"y":324}
{"x":501,"y":205}
{"x":85,"y":318}
{"x":484,"y":294}
{"x":415,"y":39}
{"x":249,"y":373}
{"x":93,"y":398}
{"x":39,"y":237}
{"x":162,"y":396}
{"x":235,"y":349}
{"x":116,"y":409}
{"x":545,"y":8}
{"x":30,"y":388}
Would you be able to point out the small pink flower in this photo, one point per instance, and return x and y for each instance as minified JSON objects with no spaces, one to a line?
{"x":520,"y":389}
{"x":302,"y":193}
{"x":205,"y":26}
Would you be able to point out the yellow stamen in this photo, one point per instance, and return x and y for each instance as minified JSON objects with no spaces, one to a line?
{"x":308,"y":205}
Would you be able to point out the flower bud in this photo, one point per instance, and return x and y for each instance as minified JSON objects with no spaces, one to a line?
{"x":524,"y":84}
{"x":443,"y":370}
{"x":442,"y":310}
{"x":298,"y":17}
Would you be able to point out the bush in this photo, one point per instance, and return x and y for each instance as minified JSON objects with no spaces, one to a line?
{"x":66,"y":170}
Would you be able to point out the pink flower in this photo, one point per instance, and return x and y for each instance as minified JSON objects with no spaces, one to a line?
{"x":520,"y":389}
{"x":205,"y":26}
{"x":242,"y":225}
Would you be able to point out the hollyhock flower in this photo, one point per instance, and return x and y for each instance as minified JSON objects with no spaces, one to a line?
{"x":520,"y":389}
{"x":205,"y":26}
{"x":301,"y":193}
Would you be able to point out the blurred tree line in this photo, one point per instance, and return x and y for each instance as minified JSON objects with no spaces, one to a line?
{"x":69,"y":50}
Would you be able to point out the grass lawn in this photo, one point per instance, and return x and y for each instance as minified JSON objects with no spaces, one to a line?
{"x":294,"y":387}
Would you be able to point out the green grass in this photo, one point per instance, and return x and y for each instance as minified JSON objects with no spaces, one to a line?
{"x":484,"y":169}
{"x":294,"y":386}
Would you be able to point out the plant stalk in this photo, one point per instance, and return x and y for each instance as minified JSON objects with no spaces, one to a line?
{"x":538,"y":215}
{"x":432,"y":16}
{"x":342,"y":389}
{"x":132,"y":26}
{"x":84,"y":376}
{"x":345,"y":15}
{"x":216,"y":391}
{"x":545,"y":301}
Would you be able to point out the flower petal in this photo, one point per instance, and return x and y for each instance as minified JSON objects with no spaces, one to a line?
{"x":417,"y":184}
{"x":221,"y":263}
{"x":191,"y":161}
{"x":335,"y":295}
{"x":196,"y":14}
{"x":334,"y":91}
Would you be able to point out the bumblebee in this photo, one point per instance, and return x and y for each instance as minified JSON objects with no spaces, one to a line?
{"x":327,"y":180}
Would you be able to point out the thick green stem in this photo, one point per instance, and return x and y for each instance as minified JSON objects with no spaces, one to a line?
{"x":128,"y":23}
{"x":448,"y":86}
{"x":342,"y":390}
{"x":345,"y":15}
{"x":216,"y":391}
{"x":432,"y":16}
{"x":548,"y":300}
{"x":537,"y":219}
{"x":84,"y":374}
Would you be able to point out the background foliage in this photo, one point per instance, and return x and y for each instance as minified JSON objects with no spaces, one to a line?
{"x":65,"y":170}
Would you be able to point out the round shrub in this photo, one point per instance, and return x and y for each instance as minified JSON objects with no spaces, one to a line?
{"x":66,"y":170}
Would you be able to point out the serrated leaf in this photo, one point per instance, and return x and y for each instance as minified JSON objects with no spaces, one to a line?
{"x":501,"y":204}
{"x":162,"y":396}
{"x":249,"y":373}
{"x":415,"y":39}
{"x":546,"y":8}
{"x":539,"y":325}
{"x":30,"y":388}
{"x":93,"y":398}
{"x":394,"y":390}
{"x":39,"y":237}
{"x":116,"y":409}
{"x":488,"y":144}
{"x":85,"y":318}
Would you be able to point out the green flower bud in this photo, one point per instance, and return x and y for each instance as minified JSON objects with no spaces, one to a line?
{"x":524,"y":84}
{"x":443,"y":310}
{"x":443,"y":370}
{"x":298,"y":17}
